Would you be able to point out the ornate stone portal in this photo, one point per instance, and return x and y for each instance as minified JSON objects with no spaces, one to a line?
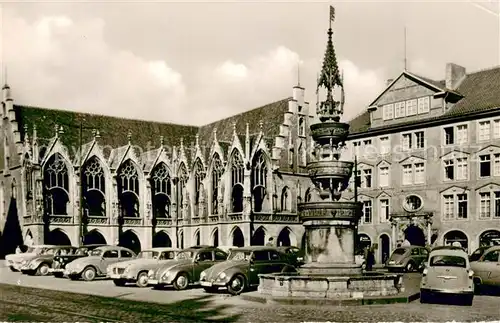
{"x":330,"y":270}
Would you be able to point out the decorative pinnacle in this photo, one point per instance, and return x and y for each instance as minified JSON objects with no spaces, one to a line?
{"x":129,"y":136}
{"x":261,"y":125}
{"x":162,"y":141}
{"x":197,"y":140}
{"x":234,"y":128}
{"x":96,"y":134}
{"x":61,"y":130}
{"x":182,"y":143}
{"x":26,"y":135}
{"x":56,"y":130}
{"x":215,"y":134}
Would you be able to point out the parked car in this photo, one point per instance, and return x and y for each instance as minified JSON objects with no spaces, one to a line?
{"x":478,"y":253}
{"x":136,"y":270}
{"x":186,"y":267}
{"x":295,"y":253}
{"x":487,"y":268}
{"x":447,"y":272}
{"x":243,"y":267}
{"x":40,"y":265}
{"x":408,"y":258}
{"x":15,"y":261}
{"x":97,"y":262}
{"x":61,"y":261}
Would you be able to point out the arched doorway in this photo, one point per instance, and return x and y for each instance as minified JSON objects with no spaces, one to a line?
{"x":385,"y":248}
{"x":59,"y":238}
{"x":259,"y":237}
{"x":238,"y":238}
{"x":489,"y":238}
{"x":215,"y":238}
{"x":363,"y":242}
{"x":284,"y":238}
{"x":94,"y":237}
{"x":415,"y":235}
{"x":129,"y":239}
{"x":456,"y":236}
{"x":161,"y":239}
{"x":197,"y":239}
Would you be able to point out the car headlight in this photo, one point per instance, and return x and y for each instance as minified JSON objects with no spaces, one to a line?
{"x":151,"y":273}
{"x":127,"y":269}
{"x":222,"y":275}
{"x":203,"y":275}
{"x":471,"y":273}
{"x":24,"y":262}
{"x":165,"y":275}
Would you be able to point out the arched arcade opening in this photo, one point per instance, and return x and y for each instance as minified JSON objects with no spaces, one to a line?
{"x":94,"y":237}
{"x":259,"y":237}
{"x":489,"y":238}
{"x":215,"y":238}
{"x":286,"y":238}
{"x":384,"y":247}
{"x":238,"y":240}
{"x":161,"y":239}
{"x":415,"y":235}
{"x":455,"y":237}
{"x":58,"y":237}
{"x":129,"y":239}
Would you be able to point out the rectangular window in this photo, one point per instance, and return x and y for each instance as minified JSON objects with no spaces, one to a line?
{"x":462,"y":206}
{"x":449,"y":136}
{"x":496,"y":128}
{"x":367,"y":212}
{"x":462,"y":169}
{"x":496,"y":214}
{"x":384,"y":210}
{"x":462,"y":134}
{"x":484,"y":205}
{"x":423,"y":105}
{"x":449,"y":170}
{"x":407,"y":175}
{"x":383,"y":177}
{"x":448,"y":207}
{"x":419,"y":140}
{"x":388,"y":112}
{"x":385,"y":145}
{"x":399,"y":110}
{"x":368,"y":178}
{"x":485,"y":166}
{"x":406,"y":141}
{"x":496,"y":165}
{"x":419,"y":173}
{"x":484,"y":130}
{"x":411,"y":107}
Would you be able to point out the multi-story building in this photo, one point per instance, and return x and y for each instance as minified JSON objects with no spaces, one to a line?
{"x":67,"y":177}
{"x":429,"y":161}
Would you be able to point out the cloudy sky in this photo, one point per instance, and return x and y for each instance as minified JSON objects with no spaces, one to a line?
{"x":196,"y":62}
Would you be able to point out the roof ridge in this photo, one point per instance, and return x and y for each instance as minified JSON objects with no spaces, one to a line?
{"x":484,"y":70}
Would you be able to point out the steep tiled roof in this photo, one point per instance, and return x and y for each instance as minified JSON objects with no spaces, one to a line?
{"x":480,"y":91}
{"x":113,"y":130}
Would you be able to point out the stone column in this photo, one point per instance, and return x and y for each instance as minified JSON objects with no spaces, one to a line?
{"x":429,"y":231}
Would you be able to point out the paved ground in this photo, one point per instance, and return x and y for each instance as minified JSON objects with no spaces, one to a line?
{"x":24,"y":298}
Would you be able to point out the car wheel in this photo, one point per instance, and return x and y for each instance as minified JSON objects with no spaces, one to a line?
{"x":211,"y":289}
{"x":409,"y":267}
{"x":119,"y":282}
{"x":236,"y":285}
{"x":42,"y":270}
{"x":142,"y":279}
{"x":58,"y":275}
{"x":89,"y":274}
{"x":181,"y":282}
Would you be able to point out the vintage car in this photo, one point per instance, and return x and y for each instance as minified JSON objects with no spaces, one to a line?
{"x":186,"y":267}
{"x":61,"y":261}
{"x":487,"y":268}
{"x":242,"y":269}
{"x":478,"y":253}
{"x":136,"y":270}
{"x":409,"y":258}
{"x":97,"y":262}
{"x":295,"y":253}
{"x":15,"y":261}
{"x":40,"y":265}
{"x":447,"y":272}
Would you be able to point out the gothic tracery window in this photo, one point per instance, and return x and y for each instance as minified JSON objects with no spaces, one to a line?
{"x":182,"y":187}
{"x":161,"y":186}
{"x":199,"y":176}
{"x":217,"y":171}
{"x":237,"y":171}
{"x":259,"y":181}
{"x":128,"y":189}
{"x":28,"y":179}
{"x":94,"y":188}
{"x":286,"y":201}
{"x":56,"y":186}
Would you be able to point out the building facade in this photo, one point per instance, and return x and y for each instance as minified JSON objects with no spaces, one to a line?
{"x":429,"y":161}
{"x":67,"y":178}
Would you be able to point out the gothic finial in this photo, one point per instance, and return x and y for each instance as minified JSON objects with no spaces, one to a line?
{"x":261,"y":125}
{"x":93,"y":132}
{"x":197,"y":140}
{"x":162,"y":141}
{"x":129,"y":136}
{"x":234,"y":128}
{"x":56,"y":130}
{"x":34,"y":133}
{"x":215,"y":134}
{"x":247,"y":129}
{"x":182,"y":143}
{"x":26,"y":135}
{"x":61,"y":130}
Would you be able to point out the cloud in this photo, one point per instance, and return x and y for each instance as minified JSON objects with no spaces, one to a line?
{"x":58,"y":62}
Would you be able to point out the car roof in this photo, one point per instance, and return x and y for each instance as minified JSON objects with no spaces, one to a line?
{"x":160,"y":249}
{"x":93,"y":245}
{"x":200,"y":248}
{"x":492,"y":248}
{"x":55,"y":247}
{"x":447,"y":248}
{"x":449,"y":251}
{"x":113,"y":248}
{"x":255,"y":248}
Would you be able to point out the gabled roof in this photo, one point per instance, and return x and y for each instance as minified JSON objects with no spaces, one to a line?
{"x":480,"y":91}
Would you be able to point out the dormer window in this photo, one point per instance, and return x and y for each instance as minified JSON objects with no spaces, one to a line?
{"x":399,"y":110}
{"x":411,"y":107}
{"x":423,"y":105}
{"x":388,"y":112}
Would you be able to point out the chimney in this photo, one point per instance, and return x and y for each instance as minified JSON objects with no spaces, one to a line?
{"x":388,"y":82}
{"x":454,"y":75}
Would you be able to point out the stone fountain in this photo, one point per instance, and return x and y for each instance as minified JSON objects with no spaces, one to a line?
{"x":330,"y":222}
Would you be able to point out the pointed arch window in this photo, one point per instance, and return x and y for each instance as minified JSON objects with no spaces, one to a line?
{"x":128,"y":189}
{"x":28,"y":180}
{"x":199,"y":176}
{"x":161,"y":186}
{"x":237,"y":170}
{"x":94,"y":189}
{"x":217,"y":171}
{"x":259,"y":181}
{"x":286,"y":201}
{"x":302,"y":155}
{"x":302,"y":127}
{"x":182,"y":186}
{"x":56,"y":186}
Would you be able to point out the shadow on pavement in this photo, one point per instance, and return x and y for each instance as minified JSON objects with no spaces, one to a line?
{"x":487,"y":290}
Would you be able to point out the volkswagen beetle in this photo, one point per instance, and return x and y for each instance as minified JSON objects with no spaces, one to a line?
{"x":16,"y":261}
{"x":186,"y":267}
{"x":447,"y":273}
{"x":97,"y":262}
{"x":40,"y":265}
{"x":60,"y":262}
{"x":243,"y":267}
{"x":136,"y":270}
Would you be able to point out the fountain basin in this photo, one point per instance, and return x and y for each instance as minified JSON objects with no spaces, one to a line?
{"x":330,"y":287}
{"x":323,"y":132}
{"x":330,"y":169}
{"x":328,"y":210}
